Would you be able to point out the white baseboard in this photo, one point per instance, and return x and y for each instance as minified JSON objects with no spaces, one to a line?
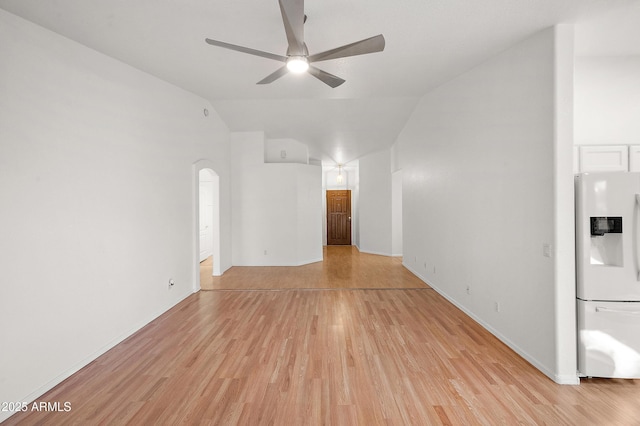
{"x":375,"y":252}
{"x":299,"y":263}
{"x":306,"y":262}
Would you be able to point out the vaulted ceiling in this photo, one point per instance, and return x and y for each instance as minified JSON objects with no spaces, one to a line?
{"x":427,"y":43}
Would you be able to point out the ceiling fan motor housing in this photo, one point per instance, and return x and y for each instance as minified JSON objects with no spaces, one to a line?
{"x":305,"y":51}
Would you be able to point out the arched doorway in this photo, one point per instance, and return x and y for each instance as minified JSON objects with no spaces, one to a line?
{"x":207,"y":221}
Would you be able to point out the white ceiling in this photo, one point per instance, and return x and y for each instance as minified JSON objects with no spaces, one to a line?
{"x":427,"y":43}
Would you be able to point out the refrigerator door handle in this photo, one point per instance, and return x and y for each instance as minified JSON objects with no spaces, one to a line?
{"x":615,"y":311}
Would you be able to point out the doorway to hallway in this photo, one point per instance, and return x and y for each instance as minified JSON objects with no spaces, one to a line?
{"x":207,"y":223}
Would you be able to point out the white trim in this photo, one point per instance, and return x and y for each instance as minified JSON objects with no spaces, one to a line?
{"x":308,"y":261}
{"x":375,"y":252}
{"x":300,"y":263}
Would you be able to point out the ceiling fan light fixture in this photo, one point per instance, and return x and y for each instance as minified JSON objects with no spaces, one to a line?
{"x":297,"y":64}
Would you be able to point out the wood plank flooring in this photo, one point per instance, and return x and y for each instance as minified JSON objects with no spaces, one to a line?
{"x":343,"y":267}
{"x":330,"y":357}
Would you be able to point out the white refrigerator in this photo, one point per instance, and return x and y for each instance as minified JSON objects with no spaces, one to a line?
{"x":608,"y":274}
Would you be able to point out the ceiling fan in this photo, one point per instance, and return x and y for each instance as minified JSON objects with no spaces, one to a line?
{"x":297,"y":59}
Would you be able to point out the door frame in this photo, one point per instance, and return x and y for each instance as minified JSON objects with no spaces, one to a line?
{"x":197,"y":166}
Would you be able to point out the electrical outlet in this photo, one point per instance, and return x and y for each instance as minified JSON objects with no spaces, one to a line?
{"x":171,"y":283}
{"x":496,"y":306}
{"x":546,"y":250}
{"x":425,"y":265}
{"x":434,"y":269}
{"x":468,"y":290}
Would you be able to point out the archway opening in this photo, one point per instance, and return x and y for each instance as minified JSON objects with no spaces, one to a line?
{"x":207,"y":221}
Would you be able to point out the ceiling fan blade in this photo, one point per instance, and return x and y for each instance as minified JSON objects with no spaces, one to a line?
{"x":246,"y":50}
{"x":369,"y":45}
{"x":274,"y":76}
{"x":293,"y":18}
{"x":325,"y":77}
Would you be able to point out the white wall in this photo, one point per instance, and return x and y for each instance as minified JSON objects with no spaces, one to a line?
{"x":607,"y":100}
{"x":285,"y":151}
{"x":396,"y":201}
{"x":479,"y":184}
{"x":308,"y":199}
{"x":277,"y":208}
{"x":396,"y":213}
{"x":563,"y":248}
{"x":375,"y":203}
{"x":97,"y":190}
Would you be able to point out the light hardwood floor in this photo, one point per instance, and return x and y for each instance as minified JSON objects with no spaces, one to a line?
{"x":338,"y":356}
{"x":343,"y":267}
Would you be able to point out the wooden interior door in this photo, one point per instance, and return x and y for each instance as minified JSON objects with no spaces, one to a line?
{"x":339,"y":217}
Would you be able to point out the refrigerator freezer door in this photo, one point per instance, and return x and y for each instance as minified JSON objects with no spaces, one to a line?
{"x":609,"y":339}
{"x":607,"y":258}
